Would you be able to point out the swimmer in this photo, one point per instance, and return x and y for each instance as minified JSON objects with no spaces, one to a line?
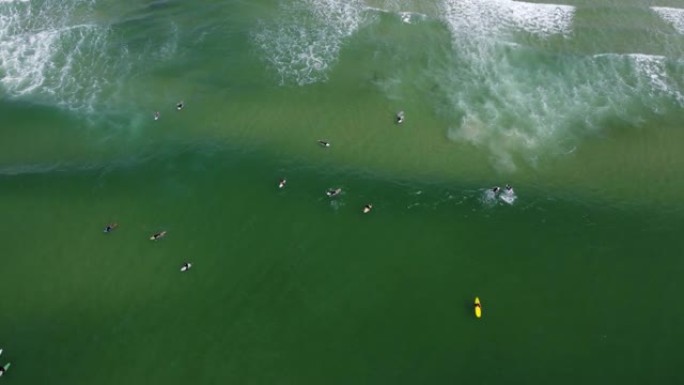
{"x":333,"y":192}
{"x":186,"y":266}
{"x":157,"y":236}
{"x":400,"y":117}
{"x":282,"y":183}
{"x":496,"y":189}
{"x":180,"y":105}
{"x":367,"y":208}
{"x":110,"y":227}
{"x":157,"y":115}
{"x":509,"y":188}
{"x":324,"y":143}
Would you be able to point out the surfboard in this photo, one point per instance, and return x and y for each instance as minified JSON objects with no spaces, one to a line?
{"x":478,"y":308}
{"x":508,"y":197}
{"x":158,"y":236}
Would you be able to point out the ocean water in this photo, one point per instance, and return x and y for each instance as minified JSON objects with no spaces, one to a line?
{"x":578,"y":105}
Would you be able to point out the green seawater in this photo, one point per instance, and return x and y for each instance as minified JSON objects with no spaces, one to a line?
{"x":578,"y":105}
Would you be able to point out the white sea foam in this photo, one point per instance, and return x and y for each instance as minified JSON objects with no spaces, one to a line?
{"x":495,"y":17}
{"x":505,"y":100}
{"x":518,"y":102}
{"x":674,"y":16}
{"x":45,"y":50}
{"x":654,"y":70}
{"x":305,"y":42}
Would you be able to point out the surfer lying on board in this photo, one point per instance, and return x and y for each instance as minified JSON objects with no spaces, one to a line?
{"x":186,"y":266}
{"x":367,"y":208}
{"x":333,"y":192}
{"x":158,"y":236}
{"x":180,"y":105}
{"x":3,"y":369}
{"x":324,"y":143}
{"x":282,"y":183}
{"x":157,"y":115}
{"x":400,"y":117}
{"x":110,"y":227}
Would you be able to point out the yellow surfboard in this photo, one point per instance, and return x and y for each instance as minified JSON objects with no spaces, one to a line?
{"x":478,"y":308}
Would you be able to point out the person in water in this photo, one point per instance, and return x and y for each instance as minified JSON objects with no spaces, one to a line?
{"x":3,"y":369}
{"x":324,"y":143}
{"x":157,"y":236}
{"x":333,"y":192}
{"x":282,"y":183}
{"x":157,"y":115}
{"x":180,"y":105}
{"x":496,"y":189}
{"x":186,"y":266}
{"x":367,"y":208}
{"x":509,"y":188}
{"x":400,"y":117}
{"x":110,"y":227}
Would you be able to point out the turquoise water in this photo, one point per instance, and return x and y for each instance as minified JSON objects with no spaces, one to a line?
{"x":577,"y":105}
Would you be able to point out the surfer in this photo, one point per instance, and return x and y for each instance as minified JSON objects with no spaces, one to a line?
{"x":110,"y":227}
{"x":186,"y":266}
{"x":367,"y":208}
{"x":157,"y":115}
{"x":180,"y":105}
{"x":333,"y":192}
{"x":400,"y":117}
{"x":3,"y":369}
{"x":282,"y":183}
{"x":324,"y":143}
{"x":157,"y":236}
{"x":509,"y":188}
{"x":496,"y":189}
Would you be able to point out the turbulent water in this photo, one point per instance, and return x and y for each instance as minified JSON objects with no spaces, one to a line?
{"x":577,"y":104}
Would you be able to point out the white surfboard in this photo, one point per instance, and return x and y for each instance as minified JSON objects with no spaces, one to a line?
{"x":508,"y":197}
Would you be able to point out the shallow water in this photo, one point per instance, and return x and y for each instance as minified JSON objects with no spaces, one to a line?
{"x":577,"y":105}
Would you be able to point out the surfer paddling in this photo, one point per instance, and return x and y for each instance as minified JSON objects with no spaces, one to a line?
{"x":333,"y":192}
{"x":399,"y":117}
{"x":110,"y":227}
{"x":3,"y":369}
{"x":158,"y":236}
{"x":180,"y":105}
{"x":185,"y":267}
{"x":282,"y":183}
{"x":323,"y":143}
{"x":157,"y":115}
{"x":367,"y":208}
